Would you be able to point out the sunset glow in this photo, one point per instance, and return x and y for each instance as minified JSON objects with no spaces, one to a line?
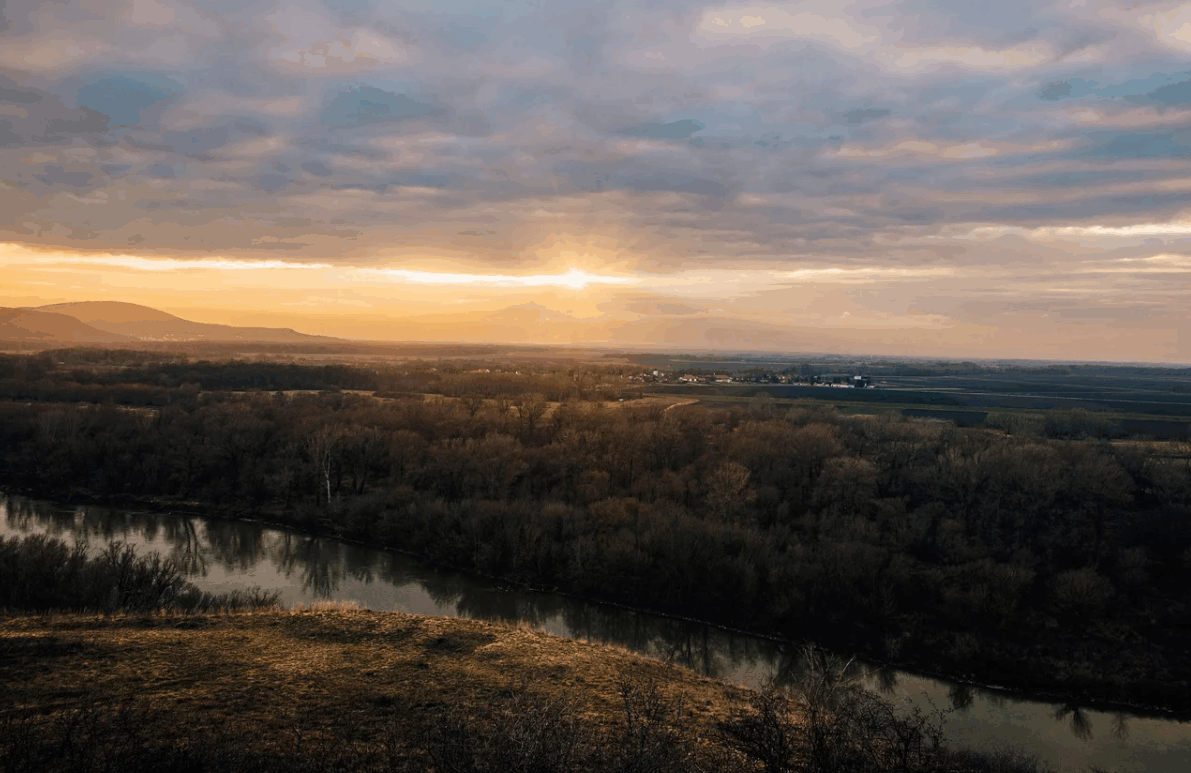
{"x":573,"y":279}
{"x":755,"y":176}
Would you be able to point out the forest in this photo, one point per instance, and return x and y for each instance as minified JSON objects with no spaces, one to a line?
{"x":996,"y":554}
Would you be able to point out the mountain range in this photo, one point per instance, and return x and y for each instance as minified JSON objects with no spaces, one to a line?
{"x":114,"y":322}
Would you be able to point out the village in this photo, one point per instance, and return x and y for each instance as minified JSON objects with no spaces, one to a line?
{"x":753,"y":376}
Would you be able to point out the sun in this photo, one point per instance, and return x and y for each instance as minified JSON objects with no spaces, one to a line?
{"x":574,"y":279}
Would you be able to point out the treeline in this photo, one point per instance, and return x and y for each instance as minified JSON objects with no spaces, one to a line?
{"x":1015,"y":559}
{"x":126,"y":377}
{"x":44,"y":574}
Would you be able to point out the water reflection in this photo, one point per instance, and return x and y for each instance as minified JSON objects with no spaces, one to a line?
{"x":223,"y":555}
{"x":1081,"y":723}
{"x":961,"y":697}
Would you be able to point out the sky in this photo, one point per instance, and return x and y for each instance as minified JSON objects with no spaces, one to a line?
{"x":944,"y":178}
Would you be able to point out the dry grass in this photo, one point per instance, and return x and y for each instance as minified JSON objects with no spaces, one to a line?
{"x":269,"y":680}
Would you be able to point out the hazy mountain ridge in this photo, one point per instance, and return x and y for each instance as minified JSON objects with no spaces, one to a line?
{"x":133,"y":322}
{"x":36,"y":326}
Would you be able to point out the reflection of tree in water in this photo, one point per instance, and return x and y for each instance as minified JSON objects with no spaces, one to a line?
{"x":1120,"y":726}
{"x":443,"y":588}
{"x":886,"y":680}
{"x":186,"y":547}
{"x":469,"y":597}
{"x":320,"y":562}
{"x":90,"y":524}
{"x":24,"y":515}
{"x":509,"y":606}
{"x":100,"y":525}
{"x":359,"y":561}
{"x":236,"y":545}
{"x":962,"y":696}
{"x":695,"y":646}
{"x":706,"y":649}
{"x":1081,"y":722}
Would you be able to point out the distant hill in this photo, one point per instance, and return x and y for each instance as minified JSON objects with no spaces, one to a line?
{"x":34,"y":326}
{"x":141,"y":323}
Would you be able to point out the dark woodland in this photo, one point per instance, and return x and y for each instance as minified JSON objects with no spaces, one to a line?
{"x":1025,"y":553}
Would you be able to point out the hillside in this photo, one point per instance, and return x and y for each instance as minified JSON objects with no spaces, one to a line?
{"x":317,"y":687}
{"x":33,"y":326}
{"x":336,"y":689}
{"x":147,"y":324}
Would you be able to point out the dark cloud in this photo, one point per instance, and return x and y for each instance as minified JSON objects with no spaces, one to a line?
{"x":675,"y":130}
{"x":8,"y":137}
{"x":1174,"y":94}
{"x":153,"y":205}
{"x":18,"y":96}
{"x":624,"y":175}
{"x":1166,"y":144}
{"x":273,"y":182}
{"x":365,"y":104}
{"x":80,"y":122}
{"x":1053,"y":91}
{"x":463,"y":36}
{"x":253,"y":129}
{"x":145,"y":145}
{"x":56,"y":175}
{"x":861,"y":115}
{"x":122,"y":99}
{"x":41,"y":118}
{"x":678,"y":183}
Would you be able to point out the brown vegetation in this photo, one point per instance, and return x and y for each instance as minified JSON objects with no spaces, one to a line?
{"x":350,"y":690}
{"x":1018,"y":558}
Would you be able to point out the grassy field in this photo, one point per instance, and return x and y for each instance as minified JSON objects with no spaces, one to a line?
{"x":338,"y":690}
{"x":324,"y":685}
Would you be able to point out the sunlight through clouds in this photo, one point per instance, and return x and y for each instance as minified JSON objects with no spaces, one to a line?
{"x":573,"y":279}
{"x":758,"y":161}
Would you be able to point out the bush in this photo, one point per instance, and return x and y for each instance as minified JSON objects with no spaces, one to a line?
{"x":40,"y":573}
{"x":826,"y":722}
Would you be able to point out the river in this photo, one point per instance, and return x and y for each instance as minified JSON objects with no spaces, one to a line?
{"x":222,"y":555}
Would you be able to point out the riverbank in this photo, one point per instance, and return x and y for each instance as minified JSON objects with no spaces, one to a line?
{"x":334,"y":688}
{"x":1016,"y":668}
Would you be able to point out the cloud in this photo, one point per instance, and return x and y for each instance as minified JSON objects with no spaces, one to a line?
{"x":56,"y":175}
{"x":35,"y":117}
{"x":675,"y":130}
{"x":862,"y":115}
{"x":866,"y":137}
{"x":317,"y":168}
{"x":366,"y":104}
{"x":121,"y":98}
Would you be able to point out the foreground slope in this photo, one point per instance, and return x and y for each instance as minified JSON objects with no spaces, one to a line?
{"x":148,"y":324}
{"x":307,"y":685}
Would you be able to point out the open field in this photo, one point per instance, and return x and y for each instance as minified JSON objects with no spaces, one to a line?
{"x":1148,"y":405}
{"x":840,"y":401}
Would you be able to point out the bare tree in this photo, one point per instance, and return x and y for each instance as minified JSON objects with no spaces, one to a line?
{"x":322,"y":444}
{"x":530,"y":410}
